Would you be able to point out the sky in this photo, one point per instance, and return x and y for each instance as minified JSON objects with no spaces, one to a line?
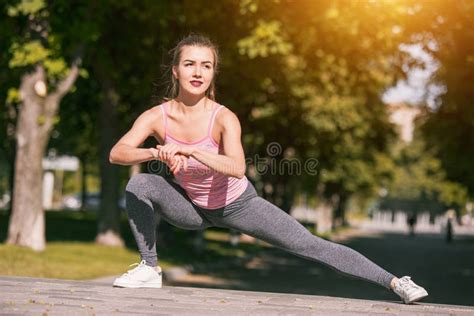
{"x":417,"y":88}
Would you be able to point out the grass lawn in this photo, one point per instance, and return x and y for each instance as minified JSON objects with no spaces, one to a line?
{"x":65,"y":260}
{"x":72,"y":254}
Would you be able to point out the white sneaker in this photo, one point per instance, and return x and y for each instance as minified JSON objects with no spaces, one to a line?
{"x":409,"y":291}
{"x":141,"y":276}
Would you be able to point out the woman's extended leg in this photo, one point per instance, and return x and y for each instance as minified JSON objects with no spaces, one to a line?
{"x":146,"y":193}
{"x":261,"y":219}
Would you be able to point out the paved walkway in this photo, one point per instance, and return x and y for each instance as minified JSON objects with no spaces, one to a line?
{"x":31,"y":296}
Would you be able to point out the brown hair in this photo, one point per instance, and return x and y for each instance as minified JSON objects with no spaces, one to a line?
{"x":191,"y":40}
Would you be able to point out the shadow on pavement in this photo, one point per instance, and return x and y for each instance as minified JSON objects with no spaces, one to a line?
{"x":445,"y":270}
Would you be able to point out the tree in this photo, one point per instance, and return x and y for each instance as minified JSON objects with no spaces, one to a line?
{"x":448,"y":128}
{"x":76,"y":128}
{"x":45,"y":80}
{"x":325,"y":67}
{"x":419,"y":181}
{"x":9,"y":108}
{"x":124,"y":78}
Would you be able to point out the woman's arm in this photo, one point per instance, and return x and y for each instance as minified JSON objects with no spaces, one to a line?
{"x":126,"y":151}
{"x":221,"y":163}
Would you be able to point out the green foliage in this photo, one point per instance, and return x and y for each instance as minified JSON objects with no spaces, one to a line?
{"x":33,"y":52}
{"x":29,"y":53}
{"x":40,"y":40}
{"x":449,"y":128}
{"x":84,"y":73}
{"x":55,"y":67}
{"x":26,"y":7}
{"x":248,"y":6}
{"x":266,"y":39}
{"x":13,"y":96}
{"x":420,"y":178}
{"x":328,"y":85}
{"x":308,"y":75}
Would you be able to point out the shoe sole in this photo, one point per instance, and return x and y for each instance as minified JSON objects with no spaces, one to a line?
{"x":137,"y":286}
{"x":417,"y":298}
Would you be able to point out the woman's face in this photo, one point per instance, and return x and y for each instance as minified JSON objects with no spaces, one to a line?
{"x":195,"y":70}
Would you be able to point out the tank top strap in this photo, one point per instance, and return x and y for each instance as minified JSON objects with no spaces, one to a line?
{"x":165,"y":118}
{"x":213,"y":118}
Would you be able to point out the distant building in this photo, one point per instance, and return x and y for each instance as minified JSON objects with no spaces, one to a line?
{"x":404,"y":116}
{"x":54,"y":181}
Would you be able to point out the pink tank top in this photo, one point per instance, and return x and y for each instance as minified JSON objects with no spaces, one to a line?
{"x":205,"y":187}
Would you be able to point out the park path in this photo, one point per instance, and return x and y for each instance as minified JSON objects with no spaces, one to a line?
{"x":30,"y":296}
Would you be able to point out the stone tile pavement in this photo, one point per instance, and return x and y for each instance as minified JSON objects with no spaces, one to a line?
{"x":34,"y":296}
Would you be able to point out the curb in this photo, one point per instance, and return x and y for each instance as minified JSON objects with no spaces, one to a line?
{"x":177,"y":272}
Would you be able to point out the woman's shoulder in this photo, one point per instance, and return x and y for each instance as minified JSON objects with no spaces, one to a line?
{"x":159,"y":106}
{"x":153,"y":116}
{"x":156,"y":111}
{"x":226,"y":116}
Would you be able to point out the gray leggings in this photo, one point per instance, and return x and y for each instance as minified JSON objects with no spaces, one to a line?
{"x":250,"y":214}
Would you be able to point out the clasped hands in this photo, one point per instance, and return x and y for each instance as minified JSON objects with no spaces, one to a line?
{"x":175,"y":156}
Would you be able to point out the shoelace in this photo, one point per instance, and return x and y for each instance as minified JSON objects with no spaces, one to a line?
{"x":129,"y":272}
{"x":404,"y":283}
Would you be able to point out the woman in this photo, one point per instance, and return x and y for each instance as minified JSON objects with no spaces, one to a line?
{"x":201,"y":144}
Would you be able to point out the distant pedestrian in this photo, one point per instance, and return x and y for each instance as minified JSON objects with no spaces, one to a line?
{"x":411,"y":221}
{"x":200,"y":140}
{"x":450,"y":214}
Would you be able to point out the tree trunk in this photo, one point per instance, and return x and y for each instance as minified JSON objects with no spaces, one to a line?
{"x":83,"y":183}
{"x":109,"y":213}
{"x":34,"y":126}
{"x":340,"y":201}
{"x":27,"y":226}
{"x":288,"y":194}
